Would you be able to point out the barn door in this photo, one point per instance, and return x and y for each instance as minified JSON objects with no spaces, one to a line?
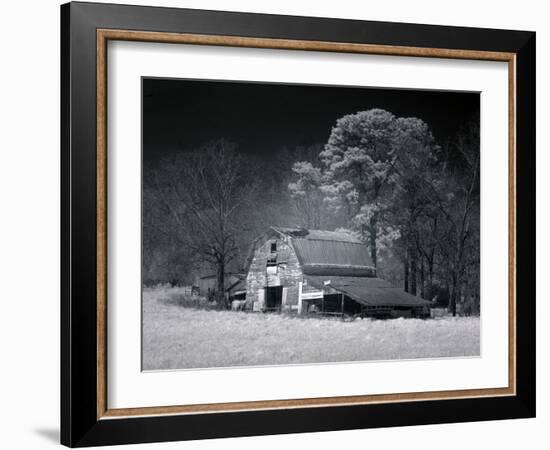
{"x":273,"y":297}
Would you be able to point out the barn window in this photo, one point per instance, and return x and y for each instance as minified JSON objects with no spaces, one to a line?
{"x":272,"y":258}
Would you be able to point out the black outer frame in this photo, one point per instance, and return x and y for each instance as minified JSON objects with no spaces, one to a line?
{"x":79,"y":424}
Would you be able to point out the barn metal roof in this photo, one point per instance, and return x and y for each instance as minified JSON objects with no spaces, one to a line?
{"x":318,"y":235}
{"x":368,"y":291}
{"x":344,"y":270}
{"x":324,"y":252}
{"x":239,"y":287}
{"x":333,"y":253}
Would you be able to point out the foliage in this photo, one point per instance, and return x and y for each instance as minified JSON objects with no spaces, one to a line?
{"x":306,"y":192}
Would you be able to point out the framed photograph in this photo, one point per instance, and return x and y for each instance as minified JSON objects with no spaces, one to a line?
{"x":277,"y":224}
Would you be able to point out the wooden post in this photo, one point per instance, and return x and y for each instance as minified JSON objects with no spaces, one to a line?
{"x":342,"y":300}
{"x":323,"y":303}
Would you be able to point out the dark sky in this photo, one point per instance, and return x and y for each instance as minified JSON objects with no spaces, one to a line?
{"x":180,"y":115}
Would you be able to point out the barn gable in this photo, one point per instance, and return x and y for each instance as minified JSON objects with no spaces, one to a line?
{"x":273,"y":271}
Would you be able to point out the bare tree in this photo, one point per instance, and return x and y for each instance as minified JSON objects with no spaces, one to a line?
{"x":460,"y":210}
{"x":204,"y":191}
{"x":414,"y":167}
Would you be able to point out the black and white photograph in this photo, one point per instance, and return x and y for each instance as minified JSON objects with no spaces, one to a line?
{"x":300,"y":224}
{"x":280,"y":224}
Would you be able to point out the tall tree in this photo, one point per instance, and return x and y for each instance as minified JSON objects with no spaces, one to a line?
{"x":166,"y":257}
{"x":306,"y":192}
{"x":460,"y":208}
{"x":358,"y":162}
{"x":205,"y":191}
{"x":414,"y":168}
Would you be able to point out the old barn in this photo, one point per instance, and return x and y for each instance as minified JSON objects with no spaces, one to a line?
{"x":316,"y":271}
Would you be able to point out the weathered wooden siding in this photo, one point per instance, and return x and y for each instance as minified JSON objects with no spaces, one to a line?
{"x":286,"y":273}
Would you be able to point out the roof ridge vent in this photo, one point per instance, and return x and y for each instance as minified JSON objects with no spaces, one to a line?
{"x":300,"y":232}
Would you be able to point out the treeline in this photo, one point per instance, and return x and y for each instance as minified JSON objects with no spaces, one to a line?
{"x":414,"y":202}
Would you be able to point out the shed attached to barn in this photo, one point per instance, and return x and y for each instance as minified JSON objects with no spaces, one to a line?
{"x":208,"y":284}
{"x":317,"y":271}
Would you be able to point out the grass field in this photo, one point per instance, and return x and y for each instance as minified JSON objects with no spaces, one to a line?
{"x":175,"y":337}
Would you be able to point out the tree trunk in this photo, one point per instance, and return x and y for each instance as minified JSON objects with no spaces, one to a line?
{"x":414,"y":266}
{"x":372,"y":241}
{"x":317,"y":216}
{"x":221,"y":282}
{"x":452,"y":296}
{"x":430,"y":276}
{"x":422,"y":281}
{"x":406,"y":271}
